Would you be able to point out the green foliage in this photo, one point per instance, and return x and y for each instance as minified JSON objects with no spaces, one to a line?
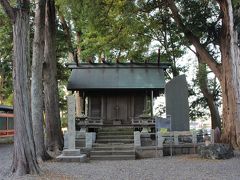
{"x":115,"y":32}
{"x":163,"y":130}
{"x":199,"y":105}
{"x":123,"y":30}
{"x":235,"y":3}
{"x":64,"y":122}
{"x":203,"y":19}
{"x":163,"y":32}
{"x":5,"y":60}
{"x":62,"y":71}
{"x":109,"y":29}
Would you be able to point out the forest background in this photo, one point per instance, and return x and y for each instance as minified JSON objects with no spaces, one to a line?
{"x":38,"y":37}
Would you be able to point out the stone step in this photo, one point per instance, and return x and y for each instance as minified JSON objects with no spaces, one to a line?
{"x":113,"y":145}
{"x":114,"y":141}
{"x":71,"y":152}
{"x":112,"y":152}
{"x":112,"y":149}
{"x":115,"y":133}
{"x":114,"y":129}
{"x":115,"y":136}
{"x":113,"y":157}
{"x":80,"y":158}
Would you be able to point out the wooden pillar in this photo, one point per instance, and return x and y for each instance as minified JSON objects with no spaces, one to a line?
{"x":145,"y":102}
{"x":102,"y":109}
{"x":85,"y":103}
{"x":78,"y":104}
{"x":151,"y":103}
{"x":132,"y":108}
{"x":81,"y":104}
{"x":89,"y":106}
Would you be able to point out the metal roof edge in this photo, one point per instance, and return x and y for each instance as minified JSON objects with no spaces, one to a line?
{"x":117,"y":65}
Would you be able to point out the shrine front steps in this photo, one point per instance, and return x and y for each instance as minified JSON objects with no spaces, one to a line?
{"x":115,"y":130}
{"x":114,"y":144}
{"x":112,"y":157}
{"x":116,"y":140}
{"x":110,"y":133}
{"x":115,"y":136}
{"x":112,"y":151}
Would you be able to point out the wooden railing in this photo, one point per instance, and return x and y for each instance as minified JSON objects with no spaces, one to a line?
{"x":143,"y":121}
{"x":89,"y":121}
{"x":94,"y":121}
{"x":83,"y":121}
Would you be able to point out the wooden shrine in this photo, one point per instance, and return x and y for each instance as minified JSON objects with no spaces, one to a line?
{"x":116,"y":94}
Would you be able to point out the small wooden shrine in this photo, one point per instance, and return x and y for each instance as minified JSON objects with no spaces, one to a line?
{"x":116,"y":94}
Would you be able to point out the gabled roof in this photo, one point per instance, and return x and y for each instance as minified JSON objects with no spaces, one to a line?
{"x":117,"y":76}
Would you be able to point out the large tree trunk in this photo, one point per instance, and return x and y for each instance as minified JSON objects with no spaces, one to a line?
{"x":227,"y":72}
{"x":230,"y":81}
{"x":37,"y":80}
{"x":24,"y":157}
{"x":209,"y":96}
{"x":54,"y":140}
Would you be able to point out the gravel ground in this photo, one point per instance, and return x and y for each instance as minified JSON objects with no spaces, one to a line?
{"x":178,"y":167}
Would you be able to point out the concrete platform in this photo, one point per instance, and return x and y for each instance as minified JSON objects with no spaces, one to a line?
{"x":82,"y":158}
{"x":72,"y":155}
{"x":148,"y":152}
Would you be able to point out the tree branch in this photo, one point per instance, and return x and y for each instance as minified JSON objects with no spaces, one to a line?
{"x":66,"y":30}
{"x":203,"y":53}
{"x":8,"y":9}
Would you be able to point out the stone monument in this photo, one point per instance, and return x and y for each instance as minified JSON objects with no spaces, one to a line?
{"x":71,"y":154}
{"x":176,"y":93}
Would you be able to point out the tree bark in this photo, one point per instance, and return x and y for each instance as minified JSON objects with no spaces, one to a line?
{"x":54,"y":140}
{"x":230,"y":82}
{"x":209,"y":97}
{"x":227,"y":72}
{"x":24,"y":155}
{"x":78,"y":34}
{"x":37,"y":81}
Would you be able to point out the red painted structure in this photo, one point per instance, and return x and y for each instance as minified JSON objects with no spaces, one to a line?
{"x":6,"y":123}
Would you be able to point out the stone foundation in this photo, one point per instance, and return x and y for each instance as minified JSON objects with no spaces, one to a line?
{"x":148,"y":152}
{"x":179,"y":149}
{"x":72,"y":155}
